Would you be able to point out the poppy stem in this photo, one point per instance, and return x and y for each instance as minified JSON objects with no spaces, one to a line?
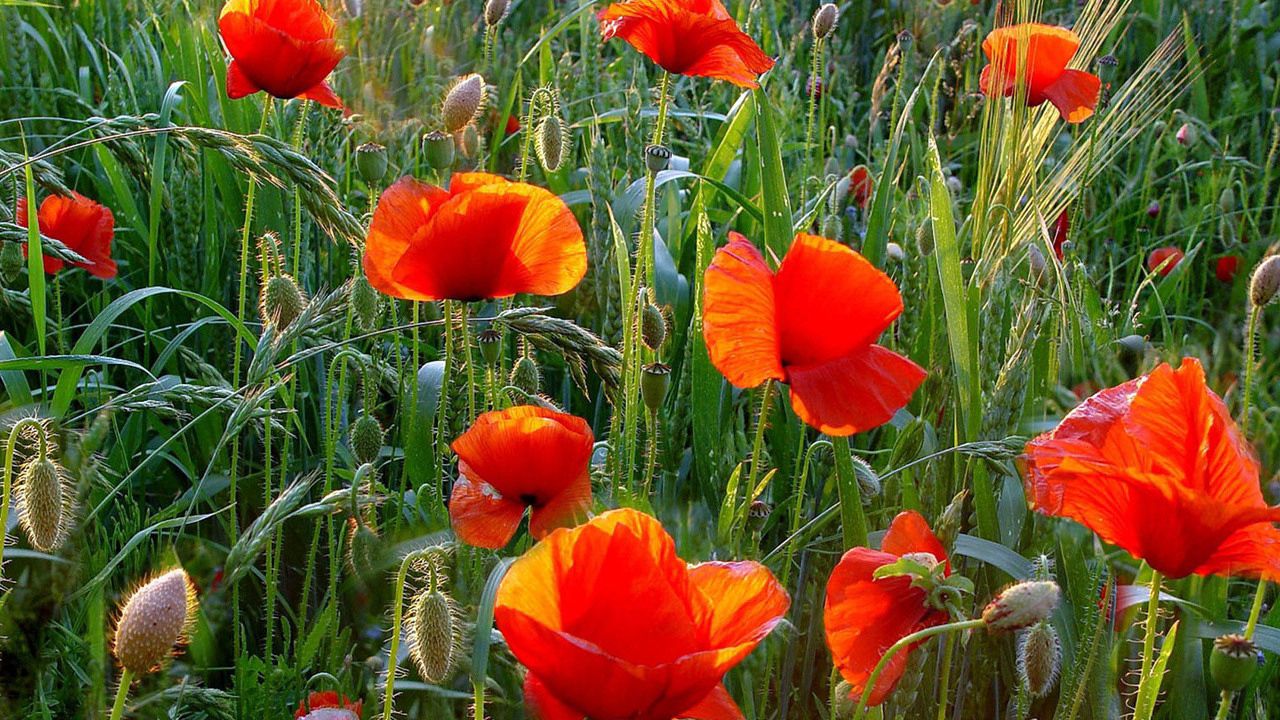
{"x":852,"y":519}
{"x":117,"y":708}
{"x":944,"y":685}
{"x":1256,"y":611}
{"x":397,"y":618}
{"x":906,"y":642}
{"x":471,"y":367}
{"x":757,"y":445}
{"x":815,"y":78}
{"x":1149,"y":636}
{"x":1250,"y":361}
{"x":1224,"y":705}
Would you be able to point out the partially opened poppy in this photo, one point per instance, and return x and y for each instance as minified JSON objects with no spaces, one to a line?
{"x":81,"y":224}
{"x":1157,"y":467}
{"x":283,"y":47}
{"x":1061,"y":229}
{"x":521,"y":457}
{"x":1036,"y":56}
{"x":864,"y":616}
{"x":812,"y":325}
{"x":485,"y":237}
{"x":613,"y":625}
{"x":861,"y":186}
{"x":1163,"y":260}
{"x":327,"y":705}
{"x":688,"y":37}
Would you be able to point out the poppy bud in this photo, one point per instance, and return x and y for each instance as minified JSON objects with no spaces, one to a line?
{"x":43,"y":495}
{"x":11,"y":261}
{"x":1021,"y":606}
{"x":366,"y":304}
{"x":364,"y":547}
{"x":1039,"y":658}
{"x":438,"y":147}
{"x":895,"y":252}
{"x":154,"y":619}
{"x":1132,"y":346}
{"x":1036,"y":261}
{"x":281,"y":301}
{"x":653,"y":327}
{"x":1227,"y":200}
{"x":434,"y":633}
{"x":468,"y":141}
{"x":954,"y":184}
{"x":494,"y":11}
{"x":924,"y":239}
{"x":366,"y":438}
{"x":1233,"y":662}
{"x":463,"y":102}
{"x":1153,"y":210}
{"x":842,"y":703}
{"x":371,"y":161}
{"x":831,"y":228}
{"x":654,"y":381}
{"x":1187,"y":135}
{"x":1226,"y":268}
{"x":549,"y":143}
{"x":1265,"y":282}
{"x":525,"y":375}
{"x":948,"y":525}
{"x":490,"y":342}
{"x":824,"y":20}
{"x":656,"y":158}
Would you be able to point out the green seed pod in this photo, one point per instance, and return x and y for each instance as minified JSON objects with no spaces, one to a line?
{"x":824,"y":21}
{"x":366,"y":303}
{"x":43,"y":503}
{"x":549,"y":143}
{"x":462,"y":102}
{"x":657,"y":158}
{"x":366,"y":438}
{"x":757,"y":515}
{"x":490,"y":342}
{"x":526,"y":376}
{"x":654,"y":381}
{"x":281,"y":301}
{"x":11,"y":261}
{"x":494,"y":11}
{"x":434,"y":634}
{"x":1265,"y":283}
{"x":1039,"y":658}
{"x":154,"y":619}
{"x":1021,"y":606}
{"x":653,"y":327}
{"x":439,"y":149}
{"x":371,"y":161}
{"x":1233,"y":662}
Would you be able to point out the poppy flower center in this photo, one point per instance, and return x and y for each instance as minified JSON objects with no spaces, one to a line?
{"x":530,"y":499}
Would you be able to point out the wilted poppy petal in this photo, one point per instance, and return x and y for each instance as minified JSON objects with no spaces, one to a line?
{"x":480,"y":516}
{"x":1075,"y":94}
{"x":401,"y":216}
{"x":830,"y":301}
{"x":854,"y":393}
{"x":738,"y":319}
{"x":910,"y":533}
{"x":717,"y":705}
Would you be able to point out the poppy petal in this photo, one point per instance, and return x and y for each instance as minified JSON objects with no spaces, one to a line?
{"x":401,"y":216}
{"x":738,"y":315}
{"x":565,"y":509}
{"x":324,"y":95}
{"x":1075,"y":94}
{"x":741,"y":601}
{"x":717,"y":705}
{"x":542,"y":705}
{"x":910,"y":533}
{"x":831,"y":301}
{"x":481,"y":517}
{"x":238,"y":84}
{"x":854,"y":393}
{"x":1048,"y":50}
{"x":285,"y":47}
{"x":1252,"y":551}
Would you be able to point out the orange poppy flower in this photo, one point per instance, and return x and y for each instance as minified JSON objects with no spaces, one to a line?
{"x":1163,"y":260}
{"x":864,"y":617}
{"x":812,"y":325}
{"x":328,"y":705}
{"x":1036,"y":56}
{"x":613,"y":625}
{"x":284,"y":47}
{"x":79,"y":223}
{"x":521,"y":457}
{"x":1157,"y":467}
{"x":688,"y":37}
{"x":484,"y":237}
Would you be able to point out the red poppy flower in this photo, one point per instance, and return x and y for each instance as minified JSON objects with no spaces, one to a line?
{"x":1036,"y":56}
{"x":79,"y":223}
{"x":1226,"y":268}
{"x":1156,"y":261}
{"x":521,"y":457}
{"x":861,"y":186}
{"x":688,"y":37}
{"x":284,"y":47}
{"x":1060,"y":230}
{"x":484,"y":237}
{"x":613,"y":625}
{"x":864,"y":616}
{"x":328,"y":705}
{"x":1157,"y":467}
{"x":812,"y":325}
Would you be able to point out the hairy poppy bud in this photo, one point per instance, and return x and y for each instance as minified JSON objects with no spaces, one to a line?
{"x":1039,"y":658}
{"x":371,"y":161}
{"x":1132,"y":346}
{"x":434,"y":635}
{"x":462,"y":102}
{"x":281,"y":301}
{"x":1187,"y":134}
{"x":824,"y":20}
{"x":1021,"y":606}
{"x":654,"y":381}
{"x":653,"y":327}
{"x":549,"y":143}
{"x":948,"y":525}
{"x":439,"y":148}
{"x":490,"y":342}
{"x":153,"y":620}
{"x":1265,"y":282}
{"x":842,"y":702}
{"x":1037,"y":263}
{"x":11,"y":261}
{"x":1233,"y":662}
{"x":43,"y":503}
{"x":366,"y":304}
{"x":494,"y":11}
{"x":895,"y":252}
{"x":1227,"y":200}
{"x":366,"y":438}
{"x":525,"y":375}
{"x":364,"y":547}
{"x":656,"y":158}
{"x":468,"y":141}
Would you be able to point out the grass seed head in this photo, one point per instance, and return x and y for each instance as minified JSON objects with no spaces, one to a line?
{"x":156,"y":617}
{"x":1265,"y":283}
{"x":463,"y":102}
{"x":1039,"y":658}
{"x":44,"y":503}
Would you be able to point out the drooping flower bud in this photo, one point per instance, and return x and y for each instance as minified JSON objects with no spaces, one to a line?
{"x":11,"y":261}
{"x":1021,"y":606}
{"x":462,"y":102}
{"x":468,"y":141}
{"x":653,"y":327}
{"x":44,"y":502}
{"x":366,"y":437}
{"x":439,"y":149}
{"x":894,"y":252}
{"x":1227,"y":200}
{"x":1233,"y":662}
{"x":434,"y":634}
{"x":657,"y":158}
{"x":1153,"y":210}
{"x":655,"y":378}
{"x":1187,"y":135}
{"x":366,"y":303}
{"x":549,"y":143}
{"x":1039,"y":658}
{"x":364,"y":547}
{"x":1265,"y":283}
{"x":825,"y":20}
{"x":371,"y":161}
{"x":525,"y":375}
{"x":153,"y":620}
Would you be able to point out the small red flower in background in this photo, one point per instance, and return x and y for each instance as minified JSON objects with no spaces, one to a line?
{"x":861,"y":186}
{"x":1036,"y":56}
{"x":81,"y":224}
{"x":613,"y":625}
{"x":327,"y":705}
{"x":284,"y":47}
{"x":1061,"y":228}
{"x":865,"y":616}
{"x":1163,"y":260}
{"x":485,"y":237}
{"x":521,"y":457}
{"x":1226,"y":267}
{"x":513,"y":125}
{"x":1157,"y":467}
{"x":688,"y":37}
{"x":812,"y":325}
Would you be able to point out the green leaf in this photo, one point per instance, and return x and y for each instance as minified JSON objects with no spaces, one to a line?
{"x":484,"y":622}
{"x":777,"y":204}
{"x":15,"y":383}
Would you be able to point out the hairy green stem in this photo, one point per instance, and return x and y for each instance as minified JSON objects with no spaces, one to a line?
{"x":1149,"y":635}
{"x":397,"y":619}
{"x":117,"y":708}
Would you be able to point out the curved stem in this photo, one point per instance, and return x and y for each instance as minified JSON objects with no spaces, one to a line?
{"x":1250,"y":360}
{"x":913,"y":638}
{"x":397,"y":617}
{"x":117,"y":709}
